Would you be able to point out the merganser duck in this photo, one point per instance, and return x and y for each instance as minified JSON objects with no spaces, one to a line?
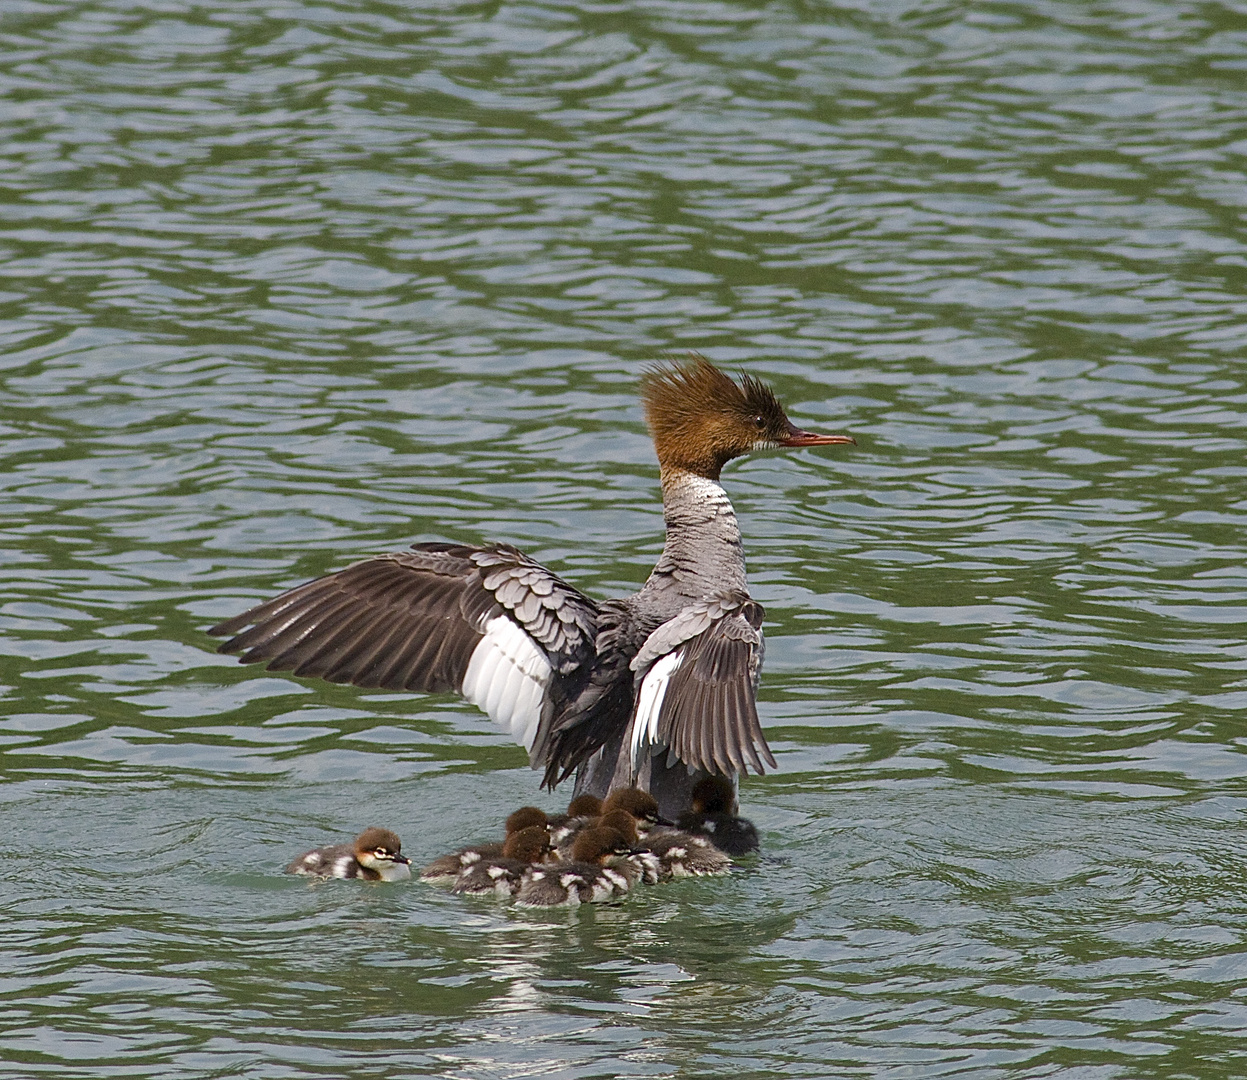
{"x":682,"y":854}
{"x":580,"y":811}
{"x":713,"y":815}
{"x":640,"y":865}
{"x":445,"y":869}
{"x":501,"y":874}
{"x":599,"y":688}
{"x":675,"y":853}
{"x":376,"y":855}
{"x":640,"y":805}
{"x":586,"y":879}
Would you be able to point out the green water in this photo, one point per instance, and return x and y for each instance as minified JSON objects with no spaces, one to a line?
{"x":286,"y":284}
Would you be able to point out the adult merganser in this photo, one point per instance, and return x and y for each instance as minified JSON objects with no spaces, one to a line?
{"x":502,"y":874}
{"x":586,"y":879}
{"x":713,"y":815}
{"x":376,"y":855}
{"x":445,"y":869}
{"x":599,"y":688}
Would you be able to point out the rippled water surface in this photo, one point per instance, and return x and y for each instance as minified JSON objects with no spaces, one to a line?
{"x":285,"y":284}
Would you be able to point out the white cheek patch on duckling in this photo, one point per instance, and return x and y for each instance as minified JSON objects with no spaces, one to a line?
{"x":507,"y":678}
{"x":649,"y":703}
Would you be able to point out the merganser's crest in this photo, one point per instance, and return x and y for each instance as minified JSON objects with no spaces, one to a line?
{"x":596,"y":688}
{"x":700,"y":419}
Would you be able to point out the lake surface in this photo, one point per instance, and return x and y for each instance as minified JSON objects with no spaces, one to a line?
{"x":287,"y":284}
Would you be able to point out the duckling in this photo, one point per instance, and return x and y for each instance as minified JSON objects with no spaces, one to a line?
{"x":640,"y":804}
{"x":375,"y":855}
{"x":637,"y":866}
{"x":445,"y":869}
{"x":683,"y":854}
{"x":713,"y":815}
{"x":587,"y":879}
{"x":580,"y":811}
{"x":501,"y":874}
{"x":679,"y":854}
{"x":640,"y":865}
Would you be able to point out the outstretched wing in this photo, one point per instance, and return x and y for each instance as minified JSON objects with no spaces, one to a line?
{"x":488,"y":623}
{"x":698,"y":679}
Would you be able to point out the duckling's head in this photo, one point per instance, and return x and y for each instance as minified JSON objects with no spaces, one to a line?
{"x":640,"y":804}
{"x":598,"y":844}
{"x":714,"y":795}
{"x":622,"y":822}
{"x":379,"y":849}
{"x":530,"y":845}
{"x":584,"y":806}
{"x":525,"y":817}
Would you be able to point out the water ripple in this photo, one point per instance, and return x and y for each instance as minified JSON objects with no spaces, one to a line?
{"x":285,"y":286}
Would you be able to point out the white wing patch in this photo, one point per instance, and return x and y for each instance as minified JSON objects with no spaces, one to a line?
{"x":507,"y":678}
{"x":649,"y":703}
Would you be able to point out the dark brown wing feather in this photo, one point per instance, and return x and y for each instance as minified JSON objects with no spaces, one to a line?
{"x":410,"y":620}
{"x":709,"y":718}
{"x":601,"y":706}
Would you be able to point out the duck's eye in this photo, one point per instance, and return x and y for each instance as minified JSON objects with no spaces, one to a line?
{"x":760,"y":423}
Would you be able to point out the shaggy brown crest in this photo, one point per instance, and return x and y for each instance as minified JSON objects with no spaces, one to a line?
{"x":700,"y":419}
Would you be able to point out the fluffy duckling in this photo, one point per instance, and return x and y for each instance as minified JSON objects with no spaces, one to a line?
{"x":683,"y":854}
{"x":640,"y":804}
{"x":580,"y":812}
{"x":713,"y":815}
{"x":679,"y":854}
{"x":445,"y":869}
{"x":501,"y":874}
{"x":376,"y":855}
{"x":587,"y":879}
{"x":638,"y":866}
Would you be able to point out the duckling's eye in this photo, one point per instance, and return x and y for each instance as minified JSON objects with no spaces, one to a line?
{"x":760,"y":423}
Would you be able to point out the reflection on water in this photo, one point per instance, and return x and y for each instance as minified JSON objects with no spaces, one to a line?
{"x":284,"y":287}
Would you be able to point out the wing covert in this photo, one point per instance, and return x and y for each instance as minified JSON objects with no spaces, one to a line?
{"x":698,"y":676}
{"x":488,"y":623}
